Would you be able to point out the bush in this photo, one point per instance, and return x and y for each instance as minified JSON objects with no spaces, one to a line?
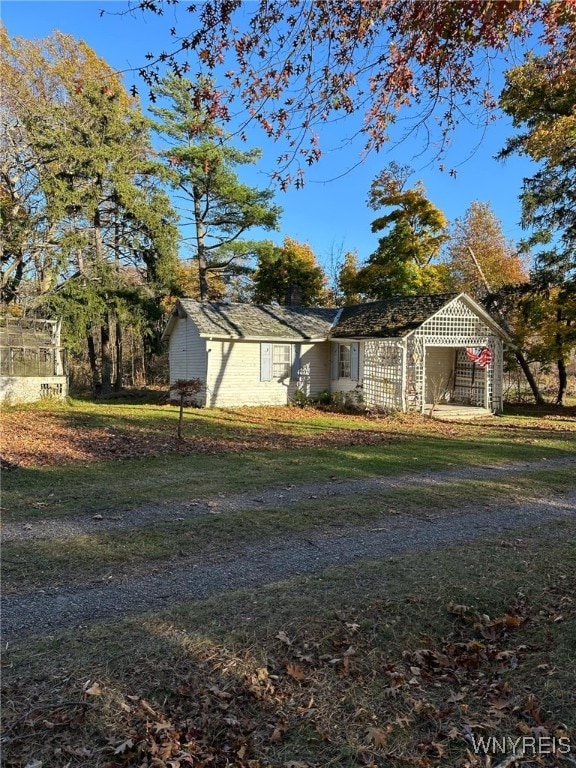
{"x":352,"y":401}
{"x":323,"y":398}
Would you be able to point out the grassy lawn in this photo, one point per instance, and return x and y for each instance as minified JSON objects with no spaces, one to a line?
{"x":388,"y":663}
{"x":88,"y":457}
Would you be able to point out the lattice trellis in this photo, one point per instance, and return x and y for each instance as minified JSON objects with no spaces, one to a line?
{"x":456,"y":325}
{"x":382,"y":385}
{"x":496,"y":373}
{"x":469,"y":381}
{"x":414,"y":371}
{"x":304,"y":379}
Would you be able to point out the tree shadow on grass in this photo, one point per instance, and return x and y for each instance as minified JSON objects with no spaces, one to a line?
{"x":360,"y":666}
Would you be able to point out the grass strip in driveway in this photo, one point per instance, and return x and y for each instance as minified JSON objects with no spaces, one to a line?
{"x":385,"y":663}
{"x":110,"y":555}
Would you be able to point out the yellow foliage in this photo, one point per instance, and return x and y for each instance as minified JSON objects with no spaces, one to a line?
{"x":51,"y":70}
{"x":186,"y":282}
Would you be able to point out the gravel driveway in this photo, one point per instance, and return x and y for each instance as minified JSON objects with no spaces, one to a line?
{"x":282,"y":496}
{"x":42,"y":611}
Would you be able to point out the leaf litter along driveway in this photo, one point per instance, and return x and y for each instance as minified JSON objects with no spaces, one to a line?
{"x":280,"y":557}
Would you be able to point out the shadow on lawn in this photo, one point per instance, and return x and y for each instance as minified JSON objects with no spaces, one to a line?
{"x":311,"y":670}
{"x":85,"y":434}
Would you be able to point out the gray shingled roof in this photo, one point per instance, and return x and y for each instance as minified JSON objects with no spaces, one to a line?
{"x":259,"y":321}
{"x":388,"y":319}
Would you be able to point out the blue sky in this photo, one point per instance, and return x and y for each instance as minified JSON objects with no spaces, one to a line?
{"x":331,"y":216}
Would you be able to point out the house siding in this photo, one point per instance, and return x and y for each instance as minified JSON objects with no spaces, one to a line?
{"x":187,"y":352}
{"x":234,"y":374}
{"x":313,"y":371}
{"x":236,"y":355}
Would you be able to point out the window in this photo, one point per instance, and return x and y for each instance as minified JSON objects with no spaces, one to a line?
{"x":281,"y":361}
{"x":346,"y":361}
{"x":343,"y":361}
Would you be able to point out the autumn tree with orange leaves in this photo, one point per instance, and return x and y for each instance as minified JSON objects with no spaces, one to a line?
{"x":479,"y":257}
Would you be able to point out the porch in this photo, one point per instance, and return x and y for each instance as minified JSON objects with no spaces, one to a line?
{"x":456,"y":412}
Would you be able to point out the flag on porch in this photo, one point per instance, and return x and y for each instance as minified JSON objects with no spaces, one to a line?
{"x":480,"y":355}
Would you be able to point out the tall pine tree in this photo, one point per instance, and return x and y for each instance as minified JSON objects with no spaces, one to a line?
{"x":216,"y":207}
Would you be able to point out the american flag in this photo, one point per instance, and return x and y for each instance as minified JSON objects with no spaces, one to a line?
{"x":481,"y":356}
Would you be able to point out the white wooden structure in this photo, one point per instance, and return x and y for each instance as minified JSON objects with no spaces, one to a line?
{"x":249,"y":355}
{"x":407,"y":353}
{"x":33,"y":365}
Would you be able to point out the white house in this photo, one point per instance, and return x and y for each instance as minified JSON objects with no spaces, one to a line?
{"x":399,"y":354}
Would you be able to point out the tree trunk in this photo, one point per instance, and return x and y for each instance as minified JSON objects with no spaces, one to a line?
{"x":93,"y":364}
{"x":181,"y":416}
{"x":530,"y":378}
{"x":293,"y":295}
{"x":560,"y":362}
{"x":521,"y":359}
{"x":506,"y":325}
{"x":11,"y":284}
{"x":106,"y":354}
{"x":201,"y":245}
{"x":562,"y":382}
{"x":132,"y":359}
{"x":118,"y":351}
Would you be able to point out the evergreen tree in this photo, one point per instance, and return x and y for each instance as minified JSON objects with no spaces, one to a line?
{"x":203,"y":167}
{"x":541,"y":99}
{"x":112,"y":233}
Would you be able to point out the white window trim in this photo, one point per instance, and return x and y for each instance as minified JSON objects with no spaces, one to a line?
{"x":281,"y":368}
{"x":344,"y":361}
